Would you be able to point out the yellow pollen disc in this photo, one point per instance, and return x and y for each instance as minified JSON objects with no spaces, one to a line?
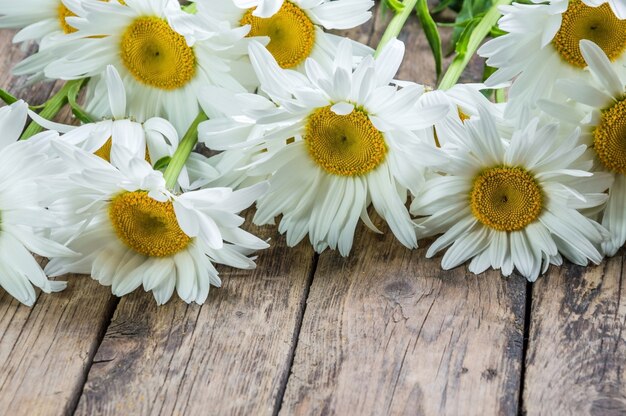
{"x":147,"y":226}
{"x":104,"y":152}
{"x":156,"y":55}
{"x":609,"y":138}
{"x":347,"y":145}
{"x":597,"y":24}
{"x":290,"y":30}
{"x":506,"y":198}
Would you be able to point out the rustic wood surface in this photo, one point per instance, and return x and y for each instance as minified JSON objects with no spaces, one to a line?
{"x":382,"y":332}
{"x":576,"y":361}
{"x":388,"y":332}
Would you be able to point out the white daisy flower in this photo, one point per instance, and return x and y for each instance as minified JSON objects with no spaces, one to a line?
{"x":134,"y":231}
{"x":38,"y":20}
{"x":113,"y":139}
{"x":294,"y":29}
{"x":511,"y":204}
{"x":601,"y":109}
{"x":542,"y":46}
{"x":26,"y":170}
{"x":42,"y":21}
{"x":462,"y":101}
{"x":161,"y":64}
{"x":339,"y":140}
{"x":242,"y":116}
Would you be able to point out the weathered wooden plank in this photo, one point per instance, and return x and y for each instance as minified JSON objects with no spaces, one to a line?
{"x":576,"y":362}
{"x":231,"y":355}
{"x":385,"y":331}
{"x":46,"y":350}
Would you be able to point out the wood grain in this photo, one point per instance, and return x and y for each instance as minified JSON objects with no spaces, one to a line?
{"x":388,"y":332}
{"x":576,"y":362}
{"x":229,"y":356}
{"x":46,"y":350}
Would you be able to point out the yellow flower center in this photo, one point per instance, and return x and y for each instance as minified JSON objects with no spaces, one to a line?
{"x":597,"y":24}
{"x":104,"y":152}
{"x":156,"y":55}
{"x":347,"y":145}
{"x":506,"y":198}
{"x":290,"y":30}
{"x":147,"y":226}
{"x":609,"y":138}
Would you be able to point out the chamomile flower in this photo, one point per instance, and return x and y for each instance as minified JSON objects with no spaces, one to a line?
{"x":242,"y":116}
{"x":25,"y":170}
{"x":463,"y":101}
{"x":511,"y":204}
{"x":132,"y":231}
{"x":601,"y":110}
{"x":38,"y":20}
{"x":42,"y":21}
{"x":161,"y":64}
{"x":338,"y":140}
{"x":294,"y":29}
{"x":542,"y":46}
{"x":113,"y":138}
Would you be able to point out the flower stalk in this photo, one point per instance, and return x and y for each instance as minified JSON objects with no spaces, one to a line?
{"x":52,"y":107}
{"x":479,"y":33}
{"x":185,"y":147}
{"x":402,"y":12}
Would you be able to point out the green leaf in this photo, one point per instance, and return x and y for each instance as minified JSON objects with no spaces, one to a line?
{"x":469,"y":41}
{"x":431,"y":32}
{"x":496,"y":31}
{"x":470,"y":10}
{"x":191,"y":8}
{"x":77,"y":110}
{"x":162,"y":163}
{"x":462,"y":43}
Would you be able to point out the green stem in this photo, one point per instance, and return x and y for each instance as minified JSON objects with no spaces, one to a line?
{"x":183,"y":151}
{"x":479,"y":33}
{"x":51,"y":108}
{"x":7,"y":97}
{"x":396,"y":24}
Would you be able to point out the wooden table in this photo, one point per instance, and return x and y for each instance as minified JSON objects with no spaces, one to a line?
{"x":384,"y":331}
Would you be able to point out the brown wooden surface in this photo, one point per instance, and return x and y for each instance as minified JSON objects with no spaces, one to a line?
{"x":382,"y":332}
{"x":388,"y":332}
{"x":576,"y":361}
